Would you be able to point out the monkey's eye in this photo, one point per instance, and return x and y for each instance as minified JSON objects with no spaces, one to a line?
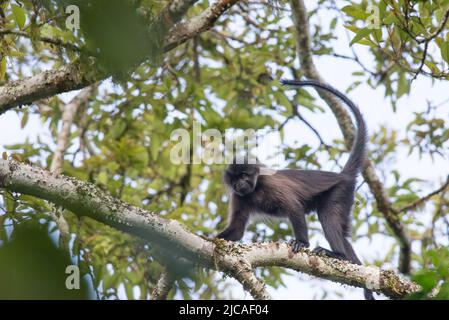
{"x":244,"y":175}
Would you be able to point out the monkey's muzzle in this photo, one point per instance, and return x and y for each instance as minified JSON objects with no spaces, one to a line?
{"x":242,"y":189}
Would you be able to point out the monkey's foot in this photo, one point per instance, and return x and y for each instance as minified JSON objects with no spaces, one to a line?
{"x":220,"y":236}
{"x":368,"y":295}
{"x":328,"y":253}
{"x":223,"y":235}
{"x":297,"y":245}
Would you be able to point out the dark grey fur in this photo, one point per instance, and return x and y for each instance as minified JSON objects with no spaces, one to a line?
{"x":295,"y":193}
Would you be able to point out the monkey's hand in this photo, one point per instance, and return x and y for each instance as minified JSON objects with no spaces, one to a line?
{"x":297,"y":245}
{"x":229,"y":234}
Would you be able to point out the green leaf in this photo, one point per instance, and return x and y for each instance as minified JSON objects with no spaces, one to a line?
{"x":351,"y":28}
{"x":427,"y":280}
{"x":19,"y":15}
{"x":24,"y":120}
{"x":403,"y":86}
{"x":118,"y":128}
{"x":282,"y":100}
{"x":102,"y":178}
{"x":443,"y":293}
{"x":363,"y":33}
{"x":432,"y":66}
{"x":444,"y":49}
{"x":16,"y":54}
{"x":377,"y":35}
{"x":367,"y":42}
{"x":154,"y":147}
{"x":9,"y":203}
{"x":134,"y":277}
{"x":390,"y":19}
{"x":355,"y":12}
{"x":108,"y":281}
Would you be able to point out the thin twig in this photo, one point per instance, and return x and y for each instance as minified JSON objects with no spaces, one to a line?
{"x":426,"y":198}
{"x":56,"y":42}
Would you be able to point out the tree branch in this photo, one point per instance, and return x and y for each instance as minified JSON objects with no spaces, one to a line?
{"x":236,"y":260}
{"x":72,"y":77}
{"x":300,"y":19}
{"x":68,"y":113}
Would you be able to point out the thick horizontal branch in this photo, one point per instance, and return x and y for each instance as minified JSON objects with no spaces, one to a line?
{"x":72,"y":76}
{"x":84,"y":199}
{"x":280,"y":254}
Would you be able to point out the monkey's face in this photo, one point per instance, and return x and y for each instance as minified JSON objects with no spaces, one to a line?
{"x":242,"y":178}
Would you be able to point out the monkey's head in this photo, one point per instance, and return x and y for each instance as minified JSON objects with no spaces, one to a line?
{"x":242,"y":178}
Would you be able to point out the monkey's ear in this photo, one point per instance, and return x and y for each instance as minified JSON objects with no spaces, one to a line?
{"x":265,"y":171}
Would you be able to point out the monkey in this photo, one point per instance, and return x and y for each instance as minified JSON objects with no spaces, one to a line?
{"x":292,"y":194}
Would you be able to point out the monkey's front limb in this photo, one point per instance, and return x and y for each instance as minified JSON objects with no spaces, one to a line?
{"x":231,"y":234}
{"x":298,"y":221}
{"x":236,"y":228}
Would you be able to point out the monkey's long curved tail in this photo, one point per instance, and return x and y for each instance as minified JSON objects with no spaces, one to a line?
{"x":358,"y":150}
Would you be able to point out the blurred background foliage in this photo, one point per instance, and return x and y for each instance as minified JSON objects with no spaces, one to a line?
{"x":121,"y":140}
